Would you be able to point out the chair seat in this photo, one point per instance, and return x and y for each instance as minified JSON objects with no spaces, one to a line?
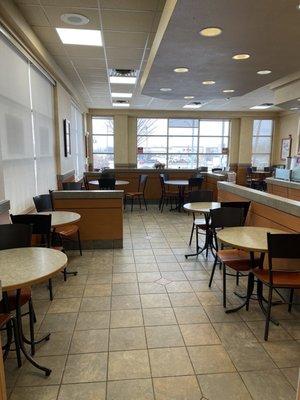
{"x":12,"y":299}
{"x":236,"y":259}
{"x":132,"y":194}
{"x":68,"y":230}
{"x":280,"y":278}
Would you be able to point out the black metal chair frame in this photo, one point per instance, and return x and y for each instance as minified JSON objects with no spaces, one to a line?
{"x":107,"y":183}
{"x":141,"y":189}
{"x":165,"y":197}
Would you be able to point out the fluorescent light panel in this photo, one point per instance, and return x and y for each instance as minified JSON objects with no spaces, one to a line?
{"x":129,"y":80}
{"x":121,"y":104}
{"x":192,"y":106}
{"x":83,"y":37}
{"x":262,"y":107}
{"x":121,"y":95}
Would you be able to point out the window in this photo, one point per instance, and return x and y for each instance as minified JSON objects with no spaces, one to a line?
{"x":182,"y":143}
{"x":78,"y":145}
{"x":262,"y":142}
{"x":103,"y":142}
{"x":27,"y":144}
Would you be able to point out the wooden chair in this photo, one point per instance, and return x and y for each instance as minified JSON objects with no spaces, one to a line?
{"x":283,"y":270}
{"x":199,"y":223}
{"x":13,"y":236}
{"x":44,"y":203}
{"x":166,"y":195}
{"x":139,"y":194}
{"x":41,"y":228}
{"x":236,"y":259}
{"x":71,"y":185}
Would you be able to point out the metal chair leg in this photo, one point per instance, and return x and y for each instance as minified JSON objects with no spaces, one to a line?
{"x":17,"y":342}
{"x":213,"y":271}
{"x":291,"y":300}
{"x":31,"y":325}
{"x":192,"y":234}
{"x":79,"y":242}
{"x":237,"y":278}
{"x":131,"y":203}
{"x":224,"y":285}
{"x":268,"y":315}
{"x":145,"y":203}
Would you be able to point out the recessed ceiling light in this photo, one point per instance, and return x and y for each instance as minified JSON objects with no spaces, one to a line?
{"x":264,"y":72}
{"x":208,"y":82}
{"x":165,"y":89}
{"x":192,"y":105}
{"x":298,"y":7}
{"x":228,"y":90}
{"x":211,"y":31}
{"x":294,"y":108}
{"x":181,"y":70}
{"x":262,"y":106}
{"x":129,"y":80}
{"x":189,"y":97}
{"x":120,"y":104}
{"x":83,"y":37}
{"x":121,"y":95}
{"x":298,"y":99}
{"x":74,"y":19}
{"x":240,"y":57}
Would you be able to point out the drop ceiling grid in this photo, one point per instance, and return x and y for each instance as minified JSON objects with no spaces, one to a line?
{"x":128,"y":29}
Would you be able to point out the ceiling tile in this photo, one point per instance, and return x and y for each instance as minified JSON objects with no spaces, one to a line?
{"x":88,"y":62}
{"x":124,"y":39}
{"x":54,"y":14}
{"x":127,"y":21}
{"x":28,"y":2}
{"x":55,"y":49}
{"x":84,"y":51}
{"x":47,"y":34}
{"x":126,"y":53}
{"x":140,"y":5}
{"x":34,"y":15}
{"x":71,"y":3}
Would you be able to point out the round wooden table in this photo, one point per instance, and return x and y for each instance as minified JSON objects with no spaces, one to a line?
{"x":252,"y":239}
{"x":202,"y":207}
{"x":118,"y":183}
{"x":23,"y":267}
{"x":61,"y":218}
{"x":181,"y":184}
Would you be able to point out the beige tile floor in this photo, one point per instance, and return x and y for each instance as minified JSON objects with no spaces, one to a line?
{"x":140,"y":323}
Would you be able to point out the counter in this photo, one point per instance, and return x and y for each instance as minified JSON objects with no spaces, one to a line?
{"x":266,"y":209}
{"x":101,"y":224}
{"x":287,"y":189}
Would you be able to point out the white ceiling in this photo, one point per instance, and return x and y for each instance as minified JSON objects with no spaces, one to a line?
{"x":128,"y":28}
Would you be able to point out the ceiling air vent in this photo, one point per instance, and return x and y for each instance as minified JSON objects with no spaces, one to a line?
{"x":123,"y":76}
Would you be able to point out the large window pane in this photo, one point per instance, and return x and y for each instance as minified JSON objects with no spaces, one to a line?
{"x":152,"y":126}
{"x":261,"y":144}
{"x":182,"y":161}
{"x":183,"y":127}
{"x":103,"y":144}
{"x":103,"y":161}
{"x":213,"y":160}
{"x":212,"y":144}
{"x":214,"y":128}
{"x":148,"y":160}
{"x":262,"y":127}
{"x":152,"y":144}
{"x":183,"y":144}
{"x":261,"y":160}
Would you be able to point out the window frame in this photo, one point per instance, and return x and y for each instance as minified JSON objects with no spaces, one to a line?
{"x":108,"y":117}
{"x":271,"y":136}
{"x":197,"y":137}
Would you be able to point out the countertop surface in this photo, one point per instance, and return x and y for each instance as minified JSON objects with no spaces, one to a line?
{"x":88,"y":194}
{"x":271,"y":200}
{"x":281,"y":182}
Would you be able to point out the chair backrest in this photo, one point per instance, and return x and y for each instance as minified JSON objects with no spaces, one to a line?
{"x":40,"y":225}
{"x":107,"y":183}
{"x":225,"y":217}
{"x":253,"y":169}
{"x":12,"y":236}
{"x":195,"y":183}
{"x":142,"y":183}
{"x":283,"y":247}
{"x":267,"y":169}
{"x":203,"y":169}
{"x":72,"y":185}
{"x":43,"y":202}
{"x":245,"y":205}
{"x":200,"y":195}
{"x":162,"y":182}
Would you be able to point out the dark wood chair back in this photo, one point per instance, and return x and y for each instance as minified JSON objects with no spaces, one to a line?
{"x":245,"y":205}
{"x":12,"y":236}
{"x":226,"y":217}
{"x":142,"y":183}
{"x":43,"y":202}
{"x":72,"y":185}
{"x":200,"y":195}
{"x":195,"y":183}
{"x":40,"y":225}
{"x":217,"y":170}
{"x":107,"y":183}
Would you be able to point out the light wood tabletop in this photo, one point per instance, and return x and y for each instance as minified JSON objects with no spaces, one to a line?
{"x":177,"y":182}
{"x":26,"y":266}
{"x":202,"y":206}
{"x":118,"y":183}
{"x":249,"y":238}
{"x":61,"y":218}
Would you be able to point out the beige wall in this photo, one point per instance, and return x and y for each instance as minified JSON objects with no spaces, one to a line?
{"x":288,"y":124}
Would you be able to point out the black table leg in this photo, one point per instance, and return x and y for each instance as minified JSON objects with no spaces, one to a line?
{"x":208,"y":244}
{"x":21,"y":337}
